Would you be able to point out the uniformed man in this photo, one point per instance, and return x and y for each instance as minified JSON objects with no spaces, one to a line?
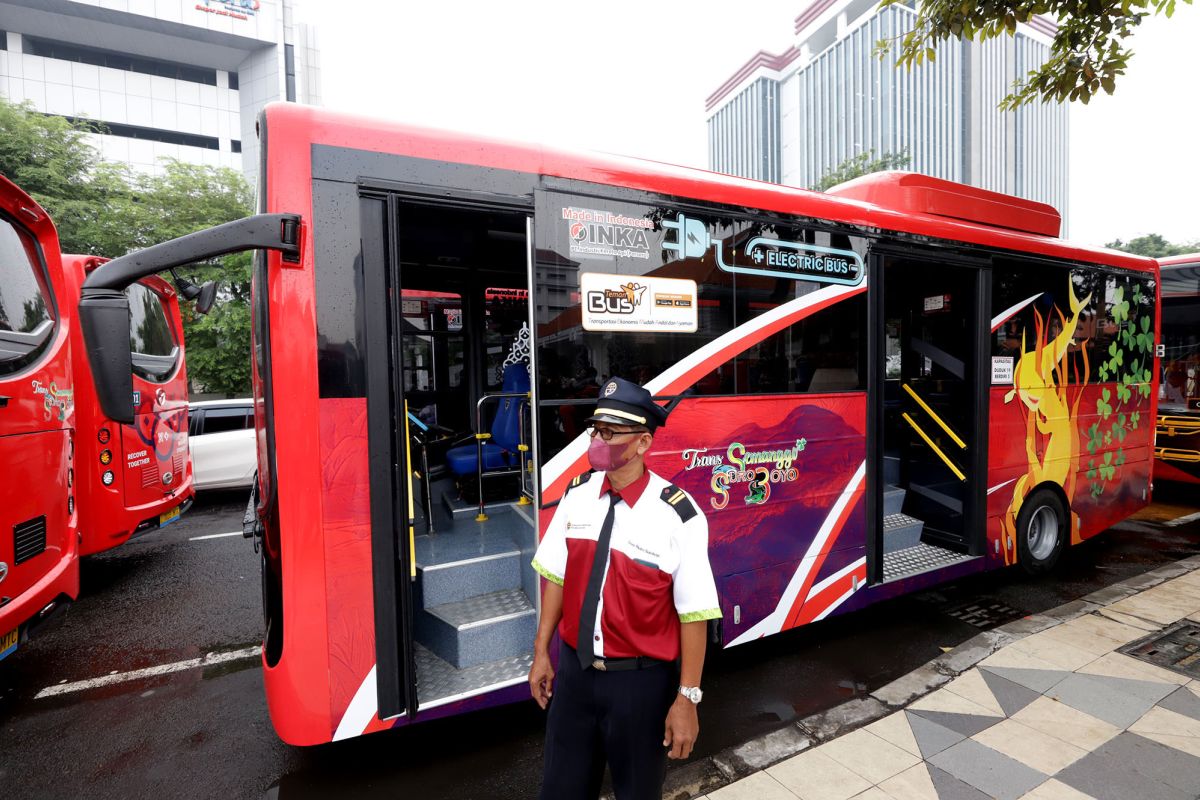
{"x":630,"y":589}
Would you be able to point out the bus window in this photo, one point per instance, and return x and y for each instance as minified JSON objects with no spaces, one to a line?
{"x":433,"y":355}
{"x":150,"y":336}
{"x":617,"y":244}
{"x":25,"y":320}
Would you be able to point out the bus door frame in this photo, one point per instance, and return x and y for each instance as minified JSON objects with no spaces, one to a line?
{"x":392,"y":565}
{"x":975,"y":510}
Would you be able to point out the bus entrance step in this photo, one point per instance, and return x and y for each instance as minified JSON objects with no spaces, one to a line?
{"x":900,"y":531}
{"x":481,"y":628}
{"x":893,"y":500}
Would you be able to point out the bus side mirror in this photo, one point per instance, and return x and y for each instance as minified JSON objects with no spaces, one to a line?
{"x":206,"y":297}
{"x":104,"y":317}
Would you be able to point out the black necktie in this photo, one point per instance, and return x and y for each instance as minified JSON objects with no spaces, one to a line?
{"x":591,"y":598}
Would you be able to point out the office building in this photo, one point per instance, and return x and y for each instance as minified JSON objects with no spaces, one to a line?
{"x":792,"y":117}
{"x":182,"y":79}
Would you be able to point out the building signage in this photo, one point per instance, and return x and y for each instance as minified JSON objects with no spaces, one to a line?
{"x":637,"y":303}
{"x":237,"y":9}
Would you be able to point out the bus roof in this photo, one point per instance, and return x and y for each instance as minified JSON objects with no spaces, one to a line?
{"x":295,"y":128}
{"x":1177,"y":261}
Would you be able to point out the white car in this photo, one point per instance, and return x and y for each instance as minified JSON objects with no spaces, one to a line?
{"x":221,"y":435}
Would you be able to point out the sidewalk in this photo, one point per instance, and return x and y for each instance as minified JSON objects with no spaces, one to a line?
{"x":1045,"y":708}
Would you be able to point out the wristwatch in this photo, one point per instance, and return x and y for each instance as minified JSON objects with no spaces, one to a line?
{"x":692,"y":693}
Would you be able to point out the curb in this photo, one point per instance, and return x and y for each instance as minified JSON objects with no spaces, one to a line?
{"x":754,"y":755}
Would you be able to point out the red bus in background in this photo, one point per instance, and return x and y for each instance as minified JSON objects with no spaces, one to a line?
{"x":133,"y":478}
{"x":39,"y":548}
{"x":892,"y":385}
{"x":1177,"y":436}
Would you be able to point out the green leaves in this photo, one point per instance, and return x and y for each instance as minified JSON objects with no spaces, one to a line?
{"x":1087,"y":55}
{"x":1103,"y":408}
{"x":106,"y":209}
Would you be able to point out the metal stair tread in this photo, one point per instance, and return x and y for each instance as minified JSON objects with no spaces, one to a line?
{"x":483,"y":609}
{"x":896,"y":521}
{"x":449,"y":549}
{"x":438,"y":681}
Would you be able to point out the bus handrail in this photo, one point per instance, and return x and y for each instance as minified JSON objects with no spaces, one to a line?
{"x":481,"y":436}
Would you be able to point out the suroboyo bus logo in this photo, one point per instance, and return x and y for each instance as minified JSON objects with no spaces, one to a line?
{"x":596,"y":233}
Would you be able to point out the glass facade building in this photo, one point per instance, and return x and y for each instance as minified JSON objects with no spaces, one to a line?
{"x":792,"y":117}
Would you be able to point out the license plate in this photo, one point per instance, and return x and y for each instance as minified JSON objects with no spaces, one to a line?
{"x":8,"y":643}
{"x":169,"y":517}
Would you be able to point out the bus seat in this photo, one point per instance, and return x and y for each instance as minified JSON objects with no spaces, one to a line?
{"x":499,"y":452}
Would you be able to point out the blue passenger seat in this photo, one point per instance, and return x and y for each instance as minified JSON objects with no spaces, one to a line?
{"x":499,"y":452}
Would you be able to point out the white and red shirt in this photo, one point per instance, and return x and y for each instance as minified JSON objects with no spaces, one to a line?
{"x":657,"y":574}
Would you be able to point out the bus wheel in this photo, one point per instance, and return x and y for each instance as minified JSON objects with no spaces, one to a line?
{"x":1041,"y":531}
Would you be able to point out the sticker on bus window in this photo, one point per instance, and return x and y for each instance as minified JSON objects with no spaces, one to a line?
{"x":637,"y":303}
{"x":1002,"y":369}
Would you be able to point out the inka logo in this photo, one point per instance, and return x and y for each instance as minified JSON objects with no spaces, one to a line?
{"x":598,"y":233}
{"x":758,"y":469}
{"x":622,"y":300}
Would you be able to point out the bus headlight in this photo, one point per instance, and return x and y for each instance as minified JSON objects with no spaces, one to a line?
{"x":107,"y":478}
{"x":106,"y":457}
{"x":103,"y":435}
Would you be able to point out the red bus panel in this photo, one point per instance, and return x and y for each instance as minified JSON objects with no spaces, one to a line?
{"x":39,"y":565}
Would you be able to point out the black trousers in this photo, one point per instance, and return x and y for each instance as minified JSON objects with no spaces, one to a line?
{"x":615,"y":716}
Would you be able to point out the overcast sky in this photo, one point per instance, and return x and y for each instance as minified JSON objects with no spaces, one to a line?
{"x":631,"y":78}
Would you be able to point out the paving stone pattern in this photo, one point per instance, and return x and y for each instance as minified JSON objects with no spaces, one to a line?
{"x":1058,"y":715}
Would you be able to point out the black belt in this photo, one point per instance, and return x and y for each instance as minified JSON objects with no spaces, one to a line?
{"x":621,"y":664}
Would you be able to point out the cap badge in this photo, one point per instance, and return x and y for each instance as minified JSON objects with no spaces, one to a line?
{"x":612,"y":387}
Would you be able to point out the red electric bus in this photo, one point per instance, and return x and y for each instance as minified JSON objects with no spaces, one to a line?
{"x":135,"y":478}
{"x":888,"y":386}
{"x":1177,"y":438}
{"x":39,"y":549}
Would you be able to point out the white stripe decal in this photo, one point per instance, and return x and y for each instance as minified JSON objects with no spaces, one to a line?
{"x":834,"y":578}
{"x":360,"y":712}
{"x":773,"y":622}
{"x":1003,"y":316}
{"x":149,"y":672}
{"x":1000,"y":486}
{"x":561,"y":462}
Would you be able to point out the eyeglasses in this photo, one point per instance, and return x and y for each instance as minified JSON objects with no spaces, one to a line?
{"x":608,"y":433}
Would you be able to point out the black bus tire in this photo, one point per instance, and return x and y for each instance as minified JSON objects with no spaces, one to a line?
{"x":1042,"y":531}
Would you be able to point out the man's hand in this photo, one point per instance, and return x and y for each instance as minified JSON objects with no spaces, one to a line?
{"x":541,"y":679}
{"x":683,"y":726}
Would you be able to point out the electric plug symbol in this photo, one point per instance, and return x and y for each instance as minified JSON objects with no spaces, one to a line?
{"x":691,"y":236}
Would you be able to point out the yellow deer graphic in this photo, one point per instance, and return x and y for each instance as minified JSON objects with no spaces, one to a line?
{"x":1040,"y":380}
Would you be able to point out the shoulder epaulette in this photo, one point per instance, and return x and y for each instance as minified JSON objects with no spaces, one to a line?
{"x":678,"y":500}
{"x":578,"y":480}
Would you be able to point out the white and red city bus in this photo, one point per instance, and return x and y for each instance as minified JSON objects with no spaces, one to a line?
{"x":881,"y":388}
{"x":1177,"y":437}
{"x":39,"y":548}
{"x":133,"y":478}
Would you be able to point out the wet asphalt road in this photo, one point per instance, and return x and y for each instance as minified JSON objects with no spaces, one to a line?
{"x":205,"y":733}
